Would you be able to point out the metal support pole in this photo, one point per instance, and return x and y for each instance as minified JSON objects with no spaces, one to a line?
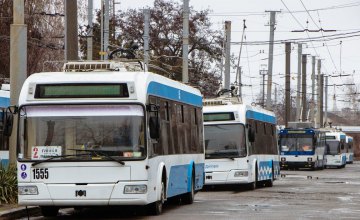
{"x":227,"y":55}
{"x":185,"y":63}
{"x":146,"y":37}
{"x":287,"y":82}
{"x":304,"y":102}
{"x":106,"y":29}
{"x":18,"y":65}
{"x":263,"y":90}
{"x":90,"y":32}
{"x":326,"y":100}
{"x":318,"y":106}
{"x":312,"y":112}
{"x":102,"y":31}
{"x":270,"y":63}
{"x":321,"y":100}
{"x":298,"y":93}
{"x":71,"y":31}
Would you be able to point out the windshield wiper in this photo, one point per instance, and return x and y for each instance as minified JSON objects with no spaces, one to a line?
{"x":100,"y":153}
{"x":55,"y":157}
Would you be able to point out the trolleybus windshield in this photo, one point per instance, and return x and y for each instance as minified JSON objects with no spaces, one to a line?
{"x":225,"y":141}
{"x":297,"y":142}
{"x":94,"y":132}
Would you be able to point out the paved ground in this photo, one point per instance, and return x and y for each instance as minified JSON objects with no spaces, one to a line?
{"x":326,"y":194}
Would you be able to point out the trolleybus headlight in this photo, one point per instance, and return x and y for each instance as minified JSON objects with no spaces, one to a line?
{"x":28,"y":190}
{"x":135,"y":189}
{"x":309,"y":159}
{"x":241,"y":173}
{"x":283,"y":159}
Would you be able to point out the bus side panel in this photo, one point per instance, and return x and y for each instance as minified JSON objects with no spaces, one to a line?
{"x":199,"y":176}
{"x":178,"y":180}
{"x":264,"y":170}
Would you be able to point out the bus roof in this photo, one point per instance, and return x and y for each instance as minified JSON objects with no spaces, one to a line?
{"x":244,"y":112}
{"x":144,"y":83}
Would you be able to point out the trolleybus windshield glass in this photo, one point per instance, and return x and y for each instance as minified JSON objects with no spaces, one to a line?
{"x":296,"y":142}
{"x":333,"y":147}
{"x":101,"y":131}
{"x":222,"y":141}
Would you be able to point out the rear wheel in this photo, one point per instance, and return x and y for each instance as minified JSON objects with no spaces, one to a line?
{"x":270,"y":182}
{"x":189,"y":197}
{"x":49,"y":211}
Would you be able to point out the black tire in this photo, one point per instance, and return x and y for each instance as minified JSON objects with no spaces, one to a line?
{"x":254,"y":184}
{"x":189,"y":197}
{"x":156,"y":208}
{"x":49,"y":211}
{"x":270,"y":182}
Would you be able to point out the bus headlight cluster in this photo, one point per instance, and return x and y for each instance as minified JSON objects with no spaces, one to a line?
{"x":241,"y":173}
{"x":309,"y":159}
{"x":28,"y":190}
{"x":135,"y":189}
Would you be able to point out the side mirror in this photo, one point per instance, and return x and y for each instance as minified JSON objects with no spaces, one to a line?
{"x":8,"y":120}
{"x":251,"y":133}
{"x":154,"y":127}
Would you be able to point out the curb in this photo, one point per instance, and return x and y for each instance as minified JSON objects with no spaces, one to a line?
{"x":19,"y":212}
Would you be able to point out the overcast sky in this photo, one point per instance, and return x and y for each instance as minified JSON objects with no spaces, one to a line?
{"x":342,"y":16}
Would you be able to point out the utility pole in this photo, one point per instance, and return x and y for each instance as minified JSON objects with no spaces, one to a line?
{"x":271,"y":54}
{"x":304,"y":104}
{"x":318,"y":109}
{"x":71,"y":32}
{"x":238,"y":72}
{"x":263,"y":72}
{"x":227,"y":55}
{"x":102,"y":31}
{"x":298,"y":94}
{"x":146,"y":37}
{"x":321,"y":100}
{"x":185,"y":63}
{"x":287,"y":82}
{"x":312,"y":109}
{"x":326,"y":99}
{"x":106,"y":29}
{"x":90,"y":32}
{"x":18,"y":64}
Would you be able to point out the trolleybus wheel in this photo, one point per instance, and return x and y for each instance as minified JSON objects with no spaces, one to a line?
{"x":156,"y":208}
{"x":254,"y":184}
{"x":188,"y":198}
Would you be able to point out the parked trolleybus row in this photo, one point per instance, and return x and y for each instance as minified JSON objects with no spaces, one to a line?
{"x":110,"y":133}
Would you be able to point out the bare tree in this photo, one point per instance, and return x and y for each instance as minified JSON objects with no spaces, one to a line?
{"x":205,"y":44}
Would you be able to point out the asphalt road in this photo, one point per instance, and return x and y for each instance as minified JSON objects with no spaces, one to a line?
{"x":326,"y":194}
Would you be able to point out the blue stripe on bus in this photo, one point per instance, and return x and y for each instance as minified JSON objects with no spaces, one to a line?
{"x":180,"y":179}
{"x":4,"y":102}
{"x":172,"y":93}
{"x":342,"y":136}
{"x":297,"y":152}
{"x":260,"y":116}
